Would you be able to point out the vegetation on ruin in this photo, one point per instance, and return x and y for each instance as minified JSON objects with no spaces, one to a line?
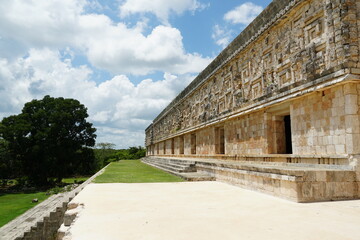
{"x":134,"y":171}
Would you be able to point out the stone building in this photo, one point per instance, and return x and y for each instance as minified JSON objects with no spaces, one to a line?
{"x":286,"y":90}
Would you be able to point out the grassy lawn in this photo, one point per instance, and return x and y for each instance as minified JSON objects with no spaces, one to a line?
{"x":134,"y":171}
{"x":74,"y":180}
{"x":15,"y":204}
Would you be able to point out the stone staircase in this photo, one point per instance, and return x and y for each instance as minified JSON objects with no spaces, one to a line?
{"x":43,"y":220}
{"x":178,"y":167}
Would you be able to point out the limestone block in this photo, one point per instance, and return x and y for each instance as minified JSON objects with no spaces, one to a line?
{"x":340,"y":149}
{"x":341,"y":190}
{"x":350,"y":89}
{"x":309,"y":176}
{"x":356,"y":143}
{"x":62,"y":232}
{"x":70,"y":215}
{"x":330,"y":149}
{"x":321,"y":176}
{"x":340,"y":176}
{"x":352,"y":123}
{"x":351,"y":106}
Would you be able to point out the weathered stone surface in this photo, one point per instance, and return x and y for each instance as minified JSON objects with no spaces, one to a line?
{"x":288,"y":84}
{"x":207,"y":211}
{"x":295,"y":182}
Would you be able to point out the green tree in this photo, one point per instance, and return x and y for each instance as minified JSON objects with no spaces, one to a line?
{"x":9,"y":168}
{"x":46,"y":137}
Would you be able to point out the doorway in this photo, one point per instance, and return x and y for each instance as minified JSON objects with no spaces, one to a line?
{"x":282,"y":134}
{"x":219,"y":140}
{"x":181,"y":144}
{"x":288,"y":144}
{"x":172,"y":146}
{"x":193,"y":143}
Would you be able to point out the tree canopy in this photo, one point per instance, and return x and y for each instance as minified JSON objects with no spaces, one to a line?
{"x":48,"y":137}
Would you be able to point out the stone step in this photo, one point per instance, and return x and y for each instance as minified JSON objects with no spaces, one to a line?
{"x":181,"y":169}
{"x":188,"y":176}
{"x":43,"y":220}
{"x":173,"y":160}
{"x":169,"y":162}
{"x":173,"y":167}
{"x":262,"y":163}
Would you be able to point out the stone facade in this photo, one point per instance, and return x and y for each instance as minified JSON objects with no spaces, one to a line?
{"x":278,"y":110}
{"x":295,"y":65}
{"x":286,"y":90}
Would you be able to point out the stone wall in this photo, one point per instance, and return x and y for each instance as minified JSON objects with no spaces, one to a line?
{"x":327,"y":122}
{"x":295,"y":67}
{"x":43,"y":220}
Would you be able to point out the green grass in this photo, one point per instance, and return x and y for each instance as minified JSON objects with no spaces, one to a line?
{"x":134,"y":171}
{"x":15,"y":204}
{"x":72,"y":180}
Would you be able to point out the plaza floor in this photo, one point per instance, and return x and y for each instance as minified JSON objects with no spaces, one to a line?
{"x":206,"y":210}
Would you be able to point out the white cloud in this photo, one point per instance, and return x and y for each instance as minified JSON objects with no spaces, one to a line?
{"x":243,"y":14}
{"x":119,"y":109}
{"x":221,"y":35}
{"x":41,"y":22}
{"x":122,"y":50}
{"x":162,"y":9}
{"x":108,"y":45}
{"x":40,"y":40}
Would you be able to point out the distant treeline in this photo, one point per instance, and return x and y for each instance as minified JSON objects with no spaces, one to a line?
{"x":105,"y":153}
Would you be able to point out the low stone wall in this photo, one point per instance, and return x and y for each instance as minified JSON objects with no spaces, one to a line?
{"x":293,"y":182}
{"x":306,"y":181}
{"x":331,"y":161}
{"x":43,"y":220}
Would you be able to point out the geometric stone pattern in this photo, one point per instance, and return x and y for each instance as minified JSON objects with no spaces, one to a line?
{"x":286,"y":90}
{"x":308,"y":40}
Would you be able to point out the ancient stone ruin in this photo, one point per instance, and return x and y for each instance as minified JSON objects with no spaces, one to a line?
{"x":278,"y":110}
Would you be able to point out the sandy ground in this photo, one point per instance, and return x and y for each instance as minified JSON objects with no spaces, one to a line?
{"x":206,"y":210}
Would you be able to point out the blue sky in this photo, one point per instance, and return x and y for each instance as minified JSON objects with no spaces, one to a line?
{"x":124,"y":60}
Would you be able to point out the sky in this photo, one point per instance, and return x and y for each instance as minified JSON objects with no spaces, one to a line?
{"x":125,"y":60}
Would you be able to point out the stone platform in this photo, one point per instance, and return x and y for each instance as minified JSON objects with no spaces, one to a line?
{"x":299,"y":182}
{"x":205,"y":211}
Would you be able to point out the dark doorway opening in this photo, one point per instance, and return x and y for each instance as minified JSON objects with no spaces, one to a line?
{"x":181,"y":144}
{"x":220,"y":140}
{"x":288,"y":144}
{"x":193,"y":143}
{"x":172,"y":146}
